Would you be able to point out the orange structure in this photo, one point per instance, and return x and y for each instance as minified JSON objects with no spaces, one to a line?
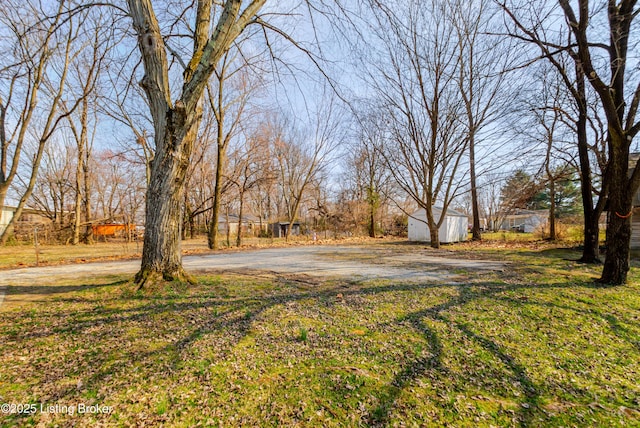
{"x":113,"y":229}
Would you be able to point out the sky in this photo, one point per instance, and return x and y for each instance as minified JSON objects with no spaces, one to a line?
{"x":297,"y":83}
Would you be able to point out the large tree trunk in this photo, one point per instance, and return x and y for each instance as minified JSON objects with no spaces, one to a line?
{"x":161,"y":254}
{"x":591,"y":213}
{"x":591,"y":250}
{"x":176,"y":125}
{"x":433,"y":234}
{"x":82,"y":145}
{"x":616,"y":264}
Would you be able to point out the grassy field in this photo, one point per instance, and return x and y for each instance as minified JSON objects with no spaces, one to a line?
{"x":536,"y":345}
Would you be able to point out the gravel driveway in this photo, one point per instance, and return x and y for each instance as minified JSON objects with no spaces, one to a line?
{"x":326,"y":262}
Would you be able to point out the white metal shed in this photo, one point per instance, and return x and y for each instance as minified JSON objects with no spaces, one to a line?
{"x":453,"y":228}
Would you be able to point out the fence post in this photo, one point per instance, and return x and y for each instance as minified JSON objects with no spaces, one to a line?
{"x":35,"y":244}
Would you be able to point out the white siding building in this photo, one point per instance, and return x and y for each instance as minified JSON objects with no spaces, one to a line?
{"x":6,"y":214}
{"x":527,"y":221}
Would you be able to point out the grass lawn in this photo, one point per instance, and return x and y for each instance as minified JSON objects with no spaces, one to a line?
{"x":536,"y":345}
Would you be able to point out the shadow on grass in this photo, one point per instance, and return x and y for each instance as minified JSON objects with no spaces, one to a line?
{"x":615,"y":326}
{"x":417,"y":368}
{"x":18,"y":295}
{"x":222,"y":314}
{"x":52,"y":290}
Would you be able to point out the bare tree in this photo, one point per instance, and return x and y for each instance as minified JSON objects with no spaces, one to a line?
{"x":200,"y":178}
{"x":54,"y":186}
{"x":83,"y":80}
{"x":249,"y":171}
{"x":489,"y":201}
{"x":611,"y":79}
{"x":228,"y":109}
{"x":176,"y":119}
{"x":622,"y":122}
{"x":482,"y":60}
{"x":263,"y":195}
{"x":301,"y":155}
{"x":368,"y":171}
{"x":37,"y":54}
{"x":415,"y":83}
{"x":548,"y":118}
{"x":557,"y":46}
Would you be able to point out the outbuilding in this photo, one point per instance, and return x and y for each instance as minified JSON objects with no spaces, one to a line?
{"x":6,"y":214}
{"x":453,"y":228}
{"x":251,"y":225}
{"x":527,"y":221}
{"x":279,"y":230}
